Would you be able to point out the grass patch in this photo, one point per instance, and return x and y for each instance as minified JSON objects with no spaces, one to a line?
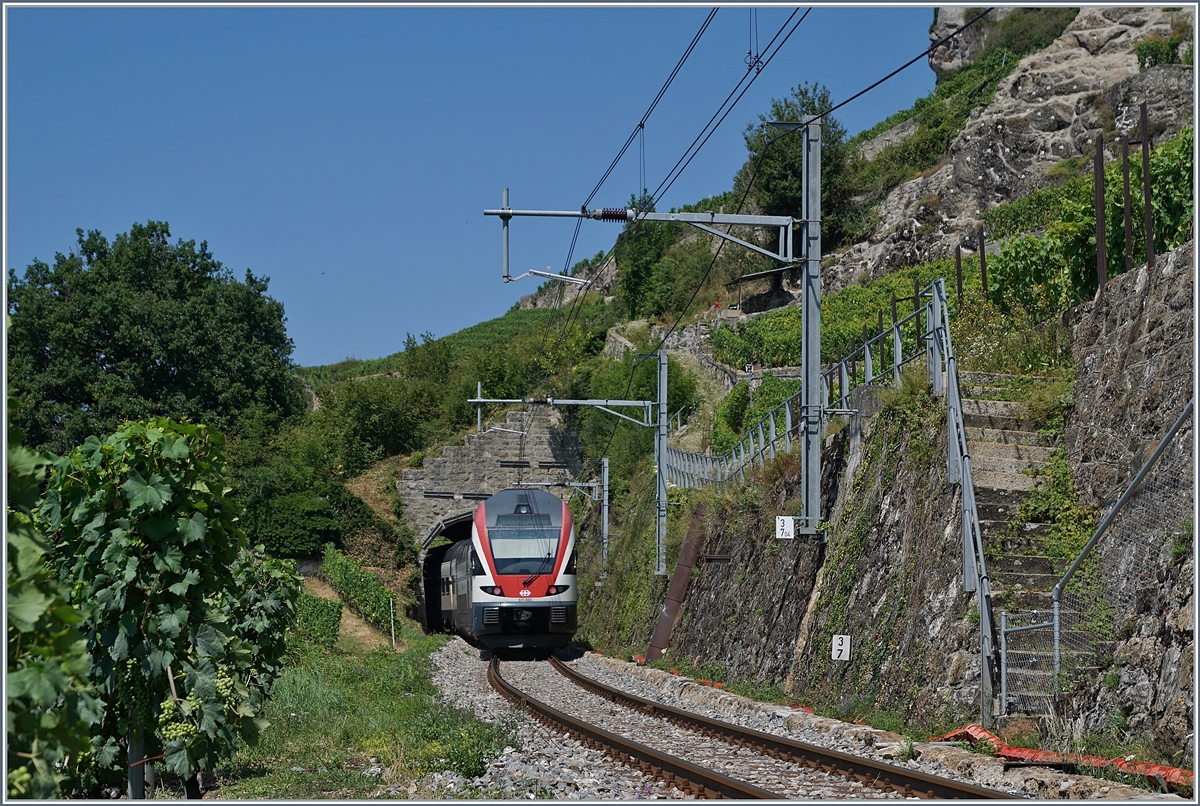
{"x":337,"y":715}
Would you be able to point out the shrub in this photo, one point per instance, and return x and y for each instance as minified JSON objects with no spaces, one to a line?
{"x":727,"y":427}
{"x":1156,"y":50}
{"x":294,"y":525}
{"x":317,"y":621}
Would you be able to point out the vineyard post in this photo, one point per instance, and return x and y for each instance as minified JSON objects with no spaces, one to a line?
{"x":958,"y":270}
{"x":1146,"y":189}
{"x":137,"y":771}
{"x":983,"y":262}
{"x":1098,"y":183}
{"x":1128,"y":203}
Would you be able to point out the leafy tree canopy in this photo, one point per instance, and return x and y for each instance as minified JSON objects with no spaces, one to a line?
{"x":142,"y":327}
{"x":779,"y":179}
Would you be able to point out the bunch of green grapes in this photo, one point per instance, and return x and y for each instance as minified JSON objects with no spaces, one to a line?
{"x":225,"y":688}
{"x":177,"y":730}
{"x":132,"y":689}
{"x":171,"y":722}
{"x":19,"y":779}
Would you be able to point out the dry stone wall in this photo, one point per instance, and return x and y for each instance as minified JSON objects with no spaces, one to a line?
{"x":1134,"y":371}
{"x":1134,"y":348}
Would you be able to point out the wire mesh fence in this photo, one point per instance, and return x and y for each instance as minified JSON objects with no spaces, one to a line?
{"x":1114,"y":583}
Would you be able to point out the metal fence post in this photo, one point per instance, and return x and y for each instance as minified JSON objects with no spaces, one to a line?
{"x":787,"y":422}
{"x":897,"y":350}
{"x":1003,"y":664}
{"x":868,"y":366}
{"x":934,"y":323}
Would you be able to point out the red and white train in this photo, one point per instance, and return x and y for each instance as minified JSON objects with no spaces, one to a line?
{"x":512,"y":585}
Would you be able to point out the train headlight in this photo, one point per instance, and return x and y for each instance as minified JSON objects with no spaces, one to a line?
{"x":492,"y":590}
{"x":554,"y":590}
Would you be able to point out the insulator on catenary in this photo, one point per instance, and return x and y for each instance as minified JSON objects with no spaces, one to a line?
{"x":614,"y":214}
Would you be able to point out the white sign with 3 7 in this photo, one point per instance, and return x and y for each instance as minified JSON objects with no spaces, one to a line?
{"x":841,"y":647}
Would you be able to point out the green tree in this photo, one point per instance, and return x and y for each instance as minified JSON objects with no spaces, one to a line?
{"x":639,"y":248}
{"x":147,"y":541}
{"x":140,"y":328}
{"x":51,"y":702}
{"x":779,"y":181}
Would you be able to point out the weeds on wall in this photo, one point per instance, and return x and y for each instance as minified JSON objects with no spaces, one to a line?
{"x":879,"y":683}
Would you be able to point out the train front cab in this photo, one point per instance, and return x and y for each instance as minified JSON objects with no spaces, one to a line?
{"x":526,"y":593}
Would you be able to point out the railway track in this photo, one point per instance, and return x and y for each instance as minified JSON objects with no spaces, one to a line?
{"x":778,"y":768}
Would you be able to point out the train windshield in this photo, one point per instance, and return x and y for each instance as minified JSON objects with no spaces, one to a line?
{"x":524,"y":544}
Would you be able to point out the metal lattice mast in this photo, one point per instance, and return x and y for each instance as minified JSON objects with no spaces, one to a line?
{"x":811,"y":257}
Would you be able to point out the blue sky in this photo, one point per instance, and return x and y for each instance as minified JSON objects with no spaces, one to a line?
{"x":348,"y":153}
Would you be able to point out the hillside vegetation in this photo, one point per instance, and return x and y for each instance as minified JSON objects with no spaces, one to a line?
{"x":144,"y":471}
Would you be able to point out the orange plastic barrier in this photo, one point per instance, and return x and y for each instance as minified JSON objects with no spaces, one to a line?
{"x":1172,"y":776}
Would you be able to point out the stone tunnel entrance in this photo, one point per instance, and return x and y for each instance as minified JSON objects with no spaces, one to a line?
{"x":441,"y":496}
{"x":441,"y":537}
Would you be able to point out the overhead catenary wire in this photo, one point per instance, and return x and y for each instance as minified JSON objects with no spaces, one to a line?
{"x":724,"y":109}
{"x":662,"y":91}
{"x":676,"y":170}
{"x":911,"y":61}
{"x":639,"y":129}
{"x":754,"y":172}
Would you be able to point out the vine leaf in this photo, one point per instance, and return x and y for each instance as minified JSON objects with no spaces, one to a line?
{"x":142,"y":494}
{"x":192,"y":529}
{"x":25,"y":607}
{"x":190,"y":578}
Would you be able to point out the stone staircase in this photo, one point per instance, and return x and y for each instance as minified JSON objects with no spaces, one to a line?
{"x":1004,"y":444}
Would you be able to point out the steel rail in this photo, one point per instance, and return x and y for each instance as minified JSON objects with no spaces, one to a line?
{"x":686,"y":776}
{"x":886,"y":777}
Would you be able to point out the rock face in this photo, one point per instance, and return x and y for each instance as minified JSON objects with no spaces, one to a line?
{"x":966,"y":46}
{"x":1050,"y":108}
{"x":749,"y":591}
{"x":889,"y":576}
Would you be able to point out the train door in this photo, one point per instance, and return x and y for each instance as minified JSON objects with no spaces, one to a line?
{"x":447,"y":594}
{"x":462,"y":584}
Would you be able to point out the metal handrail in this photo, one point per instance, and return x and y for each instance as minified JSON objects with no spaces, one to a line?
{"x":695,"y":469}
{"x":1056,"y":596}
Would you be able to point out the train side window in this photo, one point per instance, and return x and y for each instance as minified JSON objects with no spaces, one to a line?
{"x":476,"y":566}
{"x":571,"y":563}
